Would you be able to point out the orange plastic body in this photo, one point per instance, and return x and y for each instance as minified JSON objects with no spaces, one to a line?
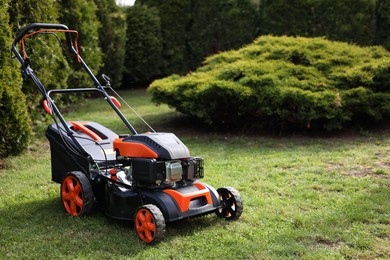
{"x":84,"y":129}
{"x":133,"y":149}
{"x":116,"y":102}
{"x":183,"y":200}
{"x":113,"y":174}
{"x":46,"y":106}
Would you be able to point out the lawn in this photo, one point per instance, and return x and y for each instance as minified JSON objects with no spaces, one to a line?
{"x":304,"y":197}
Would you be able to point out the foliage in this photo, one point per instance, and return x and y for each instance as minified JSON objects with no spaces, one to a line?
{"x":80,"y":15}
{"x":364,"y":22}
{"x":192,"y":30}
{"x":216,"y":26}
{"x":383,"y":23}
{"x":112,"y":39}
{"x":174,"y":16}
{"x":292,"y":22}
{"x":44,"y":51}
{"x":15,"y":132}
{"x":143,"y":45}
{"x":350,"y":21}
{"x":285,"y":81}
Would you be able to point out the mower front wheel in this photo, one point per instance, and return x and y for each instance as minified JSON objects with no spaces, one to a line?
{"x":76,"y":194}
{"x":231,"y":203}
{"x":149,"y":224}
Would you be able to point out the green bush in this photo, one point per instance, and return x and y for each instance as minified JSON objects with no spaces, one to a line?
{"x":15,"y":132}
{"x":341,"y":20}
{"x":383,"y":23}
{"x":193,"y":29}
{"x":112,"y":39}
{"x":80,"y":15}
{"x":143,"y":45}
{"x":44,"y":51}
{"x":285,"y":81}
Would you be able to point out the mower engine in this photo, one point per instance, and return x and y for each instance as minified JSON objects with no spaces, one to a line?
{"x":155,"y":174}
{"x":157,"y":160}
{"x":147,"y":172}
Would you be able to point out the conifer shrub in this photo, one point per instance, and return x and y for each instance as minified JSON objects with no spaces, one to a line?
{"x":15,"y":131}
{"x":285,"y":82}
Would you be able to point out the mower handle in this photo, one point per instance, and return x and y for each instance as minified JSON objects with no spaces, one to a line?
{"x":35,"y":26}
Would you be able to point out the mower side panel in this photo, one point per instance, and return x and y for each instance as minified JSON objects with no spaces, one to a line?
{"x":121,"y":204}
{"x":124,"y":204}
{"x":63,"y":161}
{"x":171,"y":208}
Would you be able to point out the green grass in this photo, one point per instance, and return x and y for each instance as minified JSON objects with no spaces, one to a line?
{"x":310,"y":198}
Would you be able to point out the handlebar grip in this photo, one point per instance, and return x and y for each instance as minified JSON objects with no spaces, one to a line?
{"x":35,"y":26}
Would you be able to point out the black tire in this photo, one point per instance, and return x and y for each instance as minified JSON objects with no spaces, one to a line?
{"x":76,"y":194}
{"x":149,"y":224}
{"x":231,"y":204}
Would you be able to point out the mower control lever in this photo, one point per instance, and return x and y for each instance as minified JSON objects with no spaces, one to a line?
{"x":106,"y":79}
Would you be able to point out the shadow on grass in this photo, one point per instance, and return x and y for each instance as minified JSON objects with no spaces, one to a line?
{"x":42,"y":227}
{"x":182,"y":124}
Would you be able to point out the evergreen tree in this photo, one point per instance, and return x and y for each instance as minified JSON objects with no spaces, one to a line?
{"x":174,"y":16}
{"x":351,"y":21}
{"x":112,"y":39}
{"x":194,"y":29}
{"x":383,"y":23}
{"x":44,"y":50}
{"x":15,"y":132}
{"x":80,"y":15}
{"x":143,"y":45}
{"x":216,"y":26}
{"x":285,"y":17}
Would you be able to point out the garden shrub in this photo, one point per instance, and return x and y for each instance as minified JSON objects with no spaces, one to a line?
{"x":143,"y":45}
{"x":383,"y":23}
{"x":15,"y":132}
{"x":80,"y":15}
{"x":112,"y":40}
{"x":350,"y":21}
{"x":44,"y":51}
{"x":192,"y":30}
{"x":285,"y":81}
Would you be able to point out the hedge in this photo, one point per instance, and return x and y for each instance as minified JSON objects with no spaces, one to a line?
{"x":143,"y":45}
{"x":15,"y":132}
{"x":350,"y":21}
{"x":193,"y":29}
{"x":112,"y":40}
{"x":285,"y":81}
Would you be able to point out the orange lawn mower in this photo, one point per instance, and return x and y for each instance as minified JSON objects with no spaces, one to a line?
{"x":149,"y":178}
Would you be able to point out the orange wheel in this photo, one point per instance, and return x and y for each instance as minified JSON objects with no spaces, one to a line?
{"x":150,"y":224}
{"x":231,"y":204}
{"x":76,"y":194}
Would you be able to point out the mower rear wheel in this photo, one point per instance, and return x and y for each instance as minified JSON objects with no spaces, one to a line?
{"x":231,"y":203}
{"x":150,"y":224}
{"x":76,"y":194}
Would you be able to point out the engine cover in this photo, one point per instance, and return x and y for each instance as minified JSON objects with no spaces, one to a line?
{"x":152,"y":145}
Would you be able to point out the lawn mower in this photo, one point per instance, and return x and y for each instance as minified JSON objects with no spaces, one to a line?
{"x":149,"y":178}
